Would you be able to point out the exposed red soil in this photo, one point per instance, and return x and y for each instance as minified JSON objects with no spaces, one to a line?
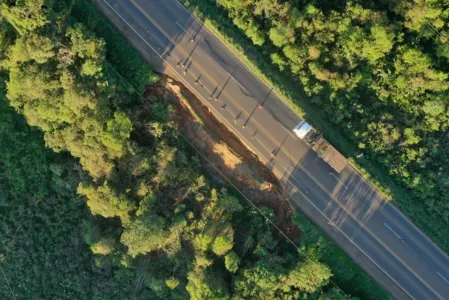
{"x":226,"y":154}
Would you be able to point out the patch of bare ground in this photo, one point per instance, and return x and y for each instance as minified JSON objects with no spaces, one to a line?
{"x":226,"y":152}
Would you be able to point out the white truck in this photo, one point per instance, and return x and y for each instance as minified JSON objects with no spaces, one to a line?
{"x":322,"y":147}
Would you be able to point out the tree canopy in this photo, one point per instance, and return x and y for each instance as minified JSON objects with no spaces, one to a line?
{"x":374,"y":72}
{"x":152,"y":226}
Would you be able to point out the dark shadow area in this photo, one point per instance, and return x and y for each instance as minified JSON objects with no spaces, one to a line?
{"x":350,"y":191}
{"x":281,"y":112}
{"x":359,"y":198}
{"x":225,"y":84}
{"x":222,"y":60}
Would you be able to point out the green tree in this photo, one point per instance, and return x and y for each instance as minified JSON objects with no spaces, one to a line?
{"x":201,"y":286}
{"x":145,"y":234}
{"x":104,"y":247}
{"x":31,"y":46}
{"x":222,"y":244}
{"x":26,"y":15}
{"x":117,"y":133}
{"x":333,"y":294}
{"x":309,"y":276}
{"x":232,"y":262}
{"x":102,"y":200}
{"x":280,"y":35}
{"x":258,"y":282}
{"x":172,"y":283}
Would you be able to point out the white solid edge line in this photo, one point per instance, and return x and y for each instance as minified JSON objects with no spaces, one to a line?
{"x":391,"y":229}
{"x":361,"y":250}
{"x":180,"y":4}
{"x":352,"y":242}
{"x":379,"y":241}
{"x":185,"y":31}
{"x":263,"y":83}
{"x":244,"y":65}
{"x":232,"y":54}
{"x":442,"y":277}
{"x":331,"y":173}
{"x":411,"y":224}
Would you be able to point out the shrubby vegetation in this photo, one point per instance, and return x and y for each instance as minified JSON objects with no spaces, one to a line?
{"x":377,"y":69}
{"x":42,"y":250}
{"x":157,"y":228}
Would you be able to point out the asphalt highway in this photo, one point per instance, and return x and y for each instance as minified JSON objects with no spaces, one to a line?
{"x":370,"y":229}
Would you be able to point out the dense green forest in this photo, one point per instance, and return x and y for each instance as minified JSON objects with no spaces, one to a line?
{"x":376,"y":70}
{"x":42,"y":250}
{"x":121,"y":208}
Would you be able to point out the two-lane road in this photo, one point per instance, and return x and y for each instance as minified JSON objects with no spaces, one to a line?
{"x":385,"y":243}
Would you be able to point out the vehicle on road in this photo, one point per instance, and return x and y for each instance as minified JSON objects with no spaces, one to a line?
{"x":321,"y":146}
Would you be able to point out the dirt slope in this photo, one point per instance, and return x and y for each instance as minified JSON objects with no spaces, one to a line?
{"x":225,"y":152}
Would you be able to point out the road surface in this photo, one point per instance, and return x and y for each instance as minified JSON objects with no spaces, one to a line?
{"x":371,"y":230}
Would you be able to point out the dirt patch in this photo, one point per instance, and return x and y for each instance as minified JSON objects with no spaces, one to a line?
{"x":226,"y":152}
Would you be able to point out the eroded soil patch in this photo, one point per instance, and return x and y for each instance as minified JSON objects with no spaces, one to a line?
{"x":225,"y":152}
